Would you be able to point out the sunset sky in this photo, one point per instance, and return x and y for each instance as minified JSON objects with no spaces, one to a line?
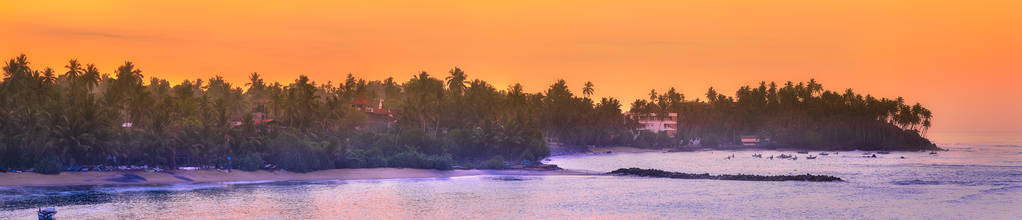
{"x":960,"y":58}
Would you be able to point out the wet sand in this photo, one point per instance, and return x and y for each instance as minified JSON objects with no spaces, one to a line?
{"x":206,"y":176}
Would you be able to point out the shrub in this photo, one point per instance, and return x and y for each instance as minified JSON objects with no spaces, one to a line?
{"x":355,"y":159}
{"x":295,"y":160}
{"x":387,"y":144}
{"x":647,"y":139}
{"x":623,"y":137}
{"x":424,"y":143}
{"x":414,"y":159}
{"x":249,"y":161}
{"x":408,"y":159}
{"x":460,"y":143}
{"x":300,"y":155}
{"x":496,"y":163}
{"x":527,"y":156}
{"x":375,"y":158}
{"x":442,"y":162}
{"x":538,"y":147}
{"x":49,"y":164}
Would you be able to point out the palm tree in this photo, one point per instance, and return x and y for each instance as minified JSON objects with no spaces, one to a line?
{"x":515,"y":90}
{"x":91,"y":76}
{"x":74,"y":69}
{"x":813,"y":87}
{"x":456,"y":81}
{"x":301,"y":102}
{"x":588,"y":89}
{"x":255,"y":81}
{"x":711,"y":94}
{"x":42,"y":116}
{"x":927,"y":117}
{"x":422,"y":101}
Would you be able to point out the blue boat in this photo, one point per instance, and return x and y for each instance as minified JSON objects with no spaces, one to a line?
{"x":47,"y":213}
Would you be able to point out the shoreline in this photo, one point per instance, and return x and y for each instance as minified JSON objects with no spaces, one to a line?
{"x":629,"y":149}
{"x":142,"y":178}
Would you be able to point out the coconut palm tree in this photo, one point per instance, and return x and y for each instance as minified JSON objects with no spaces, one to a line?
{"x":91,"y":76}
{"x":588,"y":89}
{"x":456,"y":81}
{"x":74,"y":69}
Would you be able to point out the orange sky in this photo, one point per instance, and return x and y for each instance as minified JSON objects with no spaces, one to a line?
{"x":959,"y":58}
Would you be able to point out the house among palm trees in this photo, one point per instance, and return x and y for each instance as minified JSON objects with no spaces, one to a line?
{"x":752,"y":141}
{"x":656,"y":124}
{"x":377,"y":117}
{"x":259,"y":113}
{"x":260,"y":118}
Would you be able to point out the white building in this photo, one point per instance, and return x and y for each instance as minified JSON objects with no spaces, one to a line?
{"x":650,"y":122}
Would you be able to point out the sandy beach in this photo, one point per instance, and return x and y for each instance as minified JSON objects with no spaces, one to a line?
{"x":206,"y":176}
{"x":623,"y":149}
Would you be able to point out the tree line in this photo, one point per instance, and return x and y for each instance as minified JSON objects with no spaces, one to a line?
{"x":795,"y":115}
{"x":52,"y":119}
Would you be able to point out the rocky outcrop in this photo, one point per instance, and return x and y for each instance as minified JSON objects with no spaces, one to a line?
{"x":742,"y":177}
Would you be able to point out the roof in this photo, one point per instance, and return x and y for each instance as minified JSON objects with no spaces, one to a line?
{"x":379,"y":111}
{"x":361,"y":100}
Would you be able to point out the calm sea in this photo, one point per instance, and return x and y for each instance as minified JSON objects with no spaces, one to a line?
{"x":968,"y":182}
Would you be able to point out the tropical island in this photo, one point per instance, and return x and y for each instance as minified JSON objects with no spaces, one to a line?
{"x":80,"y":118}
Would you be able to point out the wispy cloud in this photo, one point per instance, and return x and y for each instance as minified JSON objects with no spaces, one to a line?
{"x":90,"y":33}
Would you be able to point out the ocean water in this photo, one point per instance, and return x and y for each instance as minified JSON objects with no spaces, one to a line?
{"x":995,"y":137}
{"x":968,"y":182}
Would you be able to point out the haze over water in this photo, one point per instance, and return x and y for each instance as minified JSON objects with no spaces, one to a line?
{"x":959,"y":59}
{"x":976,"y":137}
{"x":973,"y":182}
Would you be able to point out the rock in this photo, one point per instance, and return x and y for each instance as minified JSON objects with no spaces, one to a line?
{"x":543,"y":167}
{"x":743,"y":177}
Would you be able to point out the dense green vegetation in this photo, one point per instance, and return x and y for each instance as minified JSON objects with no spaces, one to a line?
{"x":81,"y":116}
{"x":50,"y":120}
{"x":802,"y":116}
